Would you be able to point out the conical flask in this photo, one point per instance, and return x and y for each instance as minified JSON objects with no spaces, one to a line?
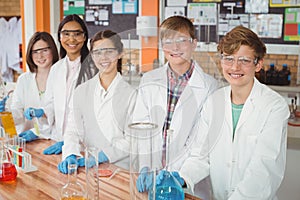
{"x":73,"y":190}
{"x":8,"y":172}
{"x":169,"y":188}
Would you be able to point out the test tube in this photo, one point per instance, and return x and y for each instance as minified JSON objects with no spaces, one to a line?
{"x":35,"y":122}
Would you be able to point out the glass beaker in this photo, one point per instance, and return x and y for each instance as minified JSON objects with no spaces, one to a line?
{"x":8,"y":171}
{"x":145,"y":158}
{"x":8,"y":124}
{"x":73,"y":190}
{"x":91,"y":171}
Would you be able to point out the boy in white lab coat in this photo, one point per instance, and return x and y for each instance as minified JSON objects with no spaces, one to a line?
{"x":241,"y":139}
{"x":171,"y":96}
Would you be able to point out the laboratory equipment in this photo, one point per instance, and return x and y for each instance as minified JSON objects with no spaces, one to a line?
{"x":169,"y":188}
{"x":20,"y":158}
{"x":73,"y":190}
{"x":7,"y":121}
{"x":91,"y":171}
{"x":145,"y":159}
{"x":8,"y":124}
{"x":8,"y":171}
{"x":35,"y":122}
{"x":272,"y":75}
{"x":284,"y":75}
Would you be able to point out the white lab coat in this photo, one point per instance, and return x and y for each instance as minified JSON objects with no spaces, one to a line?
{"x":25,"y":95}
{"x":151,"y":105}
{"x":252,"y":166}
{"x":104,"y":130}
{"x":55,"y":102}
{"x":10,"y":55}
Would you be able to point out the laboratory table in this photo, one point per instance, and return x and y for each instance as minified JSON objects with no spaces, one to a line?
{"x":46,"y":182}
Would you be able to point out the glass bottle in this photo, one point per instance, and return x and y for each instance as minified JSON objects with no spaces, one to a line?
{"x":73,"y":190}
{"x":169,"y":188}
{"x":284,"y":75}
{"x":8,"y":171}
{"x":272,"y":75}
{"x":7,"y":121}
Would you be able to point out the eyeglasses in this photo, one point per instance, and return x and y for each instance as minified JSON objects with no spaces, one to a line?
{"x":178,"y":41}
{"x":108,"y":52}
{"x":67,"y":34}
{"x":242,"y":60}
{"x":43,"y":51}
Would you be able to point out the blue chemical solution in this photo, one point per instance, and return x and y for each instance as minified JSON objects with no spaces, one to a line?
{"x":169,"y":189}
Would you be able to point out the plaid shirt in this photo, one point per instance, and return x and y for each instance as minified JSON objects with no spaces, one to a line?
{"x":176,"y":86}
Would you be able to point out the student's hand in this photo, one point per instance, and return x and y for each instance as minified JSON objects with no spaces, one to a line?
{"x":90,"y":163}
{"x":145,"y":180}
{"x":102,"y":157}
{"x":29,"y":113}
{"x":161,"y":175}
{"x":28,"y":136}
{"x":63,"y":166}
{"x":81,"y":162}
{"x":54,"y":149}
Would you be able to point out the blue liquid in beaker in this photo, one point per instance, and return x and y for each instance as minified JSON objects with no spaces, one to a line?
{"x":169,"y":189}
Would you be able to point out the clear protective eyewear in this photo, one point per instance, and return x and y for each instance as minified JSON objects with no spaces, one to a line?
{"x":43,"y":51}
{"x":107,"y":52}
{"x":178,"y":41}
{"x":76,"y":34}
{"x":242,"y":60}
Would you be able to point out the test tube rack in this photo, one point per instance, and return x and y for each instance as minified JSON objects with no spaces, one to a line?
{"x":20,"y":158}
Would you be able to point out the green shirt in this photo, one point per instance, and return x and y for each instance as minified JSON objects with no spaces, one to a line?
{"x":236,"y":112}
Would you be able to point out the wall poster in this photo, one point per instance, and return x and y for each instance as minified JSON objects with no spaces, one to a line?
{"x":292,"y":24}
{"x":202,"y":13}
{"x":73,"y":7}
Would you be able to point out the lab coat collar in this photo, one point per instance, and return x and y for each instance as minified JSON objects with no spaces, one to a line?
{"x":114,"y":83}
{"x":249,"y":105}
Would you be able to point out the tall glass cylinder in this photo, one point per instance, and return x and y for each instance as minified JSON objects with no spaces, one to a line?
{"x":145,"y":159}
{"x":91,"y":170}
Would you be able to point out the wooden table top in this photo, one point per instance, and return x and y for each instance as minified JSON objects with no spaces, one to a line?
{"x":46,"y":182}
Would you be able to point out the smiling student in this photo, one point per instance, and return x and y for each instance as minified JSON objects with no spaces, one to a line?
{"x":31,"y":86}
{"x":242,"y":134}
{"x":172,"y":95}
{"x":100,"y":108}
{"x":64,"y":76}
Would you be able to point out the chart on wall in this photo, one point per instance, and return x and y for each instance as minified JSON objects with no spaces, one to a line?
{"x":202,"y":13}
{"x":292,"y":24}
{"x":267,"y":25}
{"x":73,"y":7}
{"x":284,"y":3}
{"x":116,"y":15}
